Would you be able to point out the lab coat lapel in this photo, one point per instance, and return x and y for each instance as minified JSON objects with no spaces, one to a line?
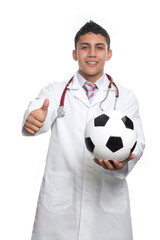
{"x":101,"y":94}
{"x":78,"y":92}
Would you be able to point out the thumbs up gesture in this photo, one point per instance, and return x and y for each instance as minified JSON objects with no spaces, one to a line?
{"x":36,"y":118}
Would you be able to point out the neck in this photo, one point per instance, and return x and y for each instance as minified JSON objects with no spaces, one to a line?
{"x":89,"y":77}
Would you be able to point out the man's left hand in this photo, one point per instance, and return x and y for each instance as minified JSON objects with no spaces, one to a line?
{"x":115,"y":164}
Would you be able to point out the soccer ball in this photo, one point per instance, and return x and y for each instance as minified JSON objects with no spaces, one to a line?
{"x":111,"y":135}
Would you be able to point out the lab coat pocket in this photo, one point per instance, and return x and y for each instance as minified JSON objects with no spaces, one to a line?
{"x":114,"y":194}
{"x":58,"y":190}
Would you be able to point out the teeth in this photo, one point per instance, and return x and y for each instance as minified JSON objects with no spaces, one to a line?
{"x":91,"y":62}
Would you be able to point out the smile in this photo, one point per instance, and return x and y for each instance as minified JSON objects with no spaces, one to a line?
{"x":91,"y":63}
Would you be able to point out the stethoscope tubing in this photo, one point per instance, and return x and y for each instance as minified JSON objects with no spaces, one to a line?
{"x":61,"y":112}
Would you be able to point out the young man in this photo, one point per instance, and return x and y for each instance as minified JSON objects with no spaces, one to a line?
{"x":82,"y":199}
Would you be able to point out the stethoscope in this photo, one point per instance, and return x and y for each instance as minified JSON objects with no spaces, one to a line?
{"x":61,"y":112}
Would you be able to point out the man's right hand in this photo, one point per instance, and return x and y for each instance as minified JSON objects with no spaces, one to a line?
{"x":36,"y":118}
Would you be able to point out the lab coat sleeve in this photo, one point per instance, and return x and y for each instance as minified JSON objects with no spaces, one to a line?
{"x":131,"y":108}
{"x":47,"y":92}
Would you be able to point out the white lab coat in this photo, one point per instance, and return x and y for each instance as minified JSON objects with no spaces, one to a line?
{"x":79,"y":200}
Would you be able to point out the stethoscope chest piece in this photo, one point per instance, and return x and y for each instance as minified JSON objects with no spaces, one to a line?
{"x":60,"y":112}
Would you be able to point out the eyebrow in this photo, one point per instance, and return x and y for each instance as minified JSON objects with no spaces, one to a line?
{"x":85,"y":43}
{"x":100,"y":44}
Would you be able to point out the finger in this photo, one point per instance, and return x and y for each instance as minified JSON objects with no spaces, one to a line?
{"x":132,"y":156}
{"x":34,"y":121}
{"x":108,"y":165}
{"x":28,"y":130}
{"x":96,"y":161}
{"x":31,"y":126}
{"x":102,"y":163}
{"x":45,"y":105}
{"x":99,"y":162}
{"x":111,"y":161}
{"x":118,"y":165}
{"x":38,"y":115}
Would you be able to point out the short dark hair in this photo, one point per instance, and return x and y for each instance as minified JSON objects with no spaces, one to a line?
{"x":92,"y":27}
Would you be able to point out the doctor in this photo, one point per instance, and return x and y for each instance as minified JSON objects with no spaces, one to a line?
{"x":82,"y":198}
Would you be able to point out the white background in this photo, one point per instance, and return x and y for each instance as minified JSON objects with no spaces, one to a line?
{"x":36,"y":43}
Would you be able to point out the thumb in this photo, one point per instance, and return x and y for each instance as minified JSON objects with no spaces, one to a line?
{"x":132,"y":156}
{"x":45,"y":105}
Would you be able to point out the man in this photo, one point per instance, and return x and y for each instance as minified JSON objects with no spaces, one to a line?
{"x":82,"y":199}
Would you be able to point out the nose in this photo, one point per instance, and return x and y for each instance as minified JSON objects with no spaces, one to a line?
{"x":92,"y":52}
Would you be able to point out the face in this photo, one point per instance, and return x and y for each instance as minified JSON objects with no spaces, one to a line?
{"x":92,"y":53}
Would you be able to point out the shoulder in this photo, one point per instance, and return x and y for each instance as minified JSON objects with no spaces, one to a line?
{"x":128,"y":101}
{"x":126,"y":93}
{"x":123,"y":89}
{"x":53,"y":91}
{"x":55,"y":88}
{"x":56,"y":85}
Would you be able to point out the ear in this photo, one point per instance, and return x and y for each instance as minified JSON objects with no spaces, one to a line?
{"x":109,"y":55}
{"x":74,"y":55}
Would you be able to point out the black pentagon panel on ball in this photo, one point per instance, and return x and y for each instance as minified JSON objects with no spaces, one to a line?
{"x":132,"y":149}
{"x":128,"y":122}
{"x":89,"y":144}
{"x":114,"y":144}
{"x":101,"y":120}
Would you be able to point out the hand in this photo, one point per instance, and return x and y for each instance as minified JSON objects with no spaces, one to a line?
{"x":115,"y":164}
{"x":36,"y":118}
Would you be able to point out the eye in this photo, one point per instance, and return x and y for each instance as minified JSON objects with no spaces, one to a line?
{"x":100,"y":48}
{"x":84,"y":47}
